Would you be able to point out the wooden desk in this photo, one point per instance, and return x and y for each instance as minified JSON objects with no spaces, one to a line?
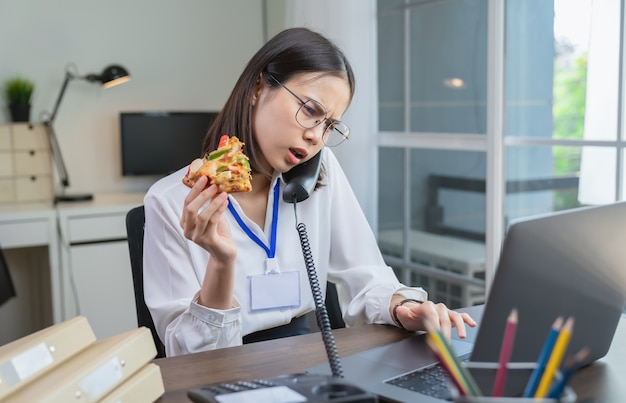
{"x":599,"y":382}
{"x":265,"y":359}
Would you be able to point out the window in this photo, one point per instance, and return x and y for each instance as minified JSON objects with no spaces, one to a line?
{"x":432,"y":114}
{"x":561,"y":132}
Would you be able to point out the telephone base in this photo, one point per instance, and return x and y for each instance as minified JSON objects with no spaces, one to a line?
{"x":286,"y":388}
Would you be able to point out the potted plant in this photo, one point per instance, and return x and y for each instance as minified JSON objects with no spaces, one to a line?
{"x":18,"y":92}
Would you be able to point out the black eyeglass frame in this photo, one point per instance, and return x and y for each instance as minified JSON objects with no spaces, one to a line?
{"x":329,"y":123}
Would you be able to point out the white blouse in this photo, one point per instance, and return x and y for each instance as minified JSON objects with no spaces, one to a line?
{"x":343,"y":245}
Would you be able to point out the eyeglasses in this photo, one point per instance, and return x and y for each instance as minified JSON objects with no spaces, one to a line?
{"x":311,"y":114}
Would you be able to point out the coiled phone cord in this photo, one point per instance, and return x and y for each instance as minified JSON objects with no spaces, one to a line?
{"x":323,"y":321}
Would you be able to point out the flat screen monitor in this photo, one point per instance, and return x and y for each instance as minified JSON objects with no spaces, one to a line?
{"x":159,"y":143}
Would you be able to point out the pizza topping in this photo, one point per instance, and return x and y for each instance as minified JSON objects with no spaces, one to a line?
{"x":223,"y":141}
{"x":227,"y":167}
{"x":218,"y":153}
{"x":195,"y":165}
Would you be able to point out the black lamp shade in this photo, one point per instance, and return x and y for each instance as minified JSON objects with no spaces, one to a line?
{"x":114,"y":75}
{"x":111,"y":76}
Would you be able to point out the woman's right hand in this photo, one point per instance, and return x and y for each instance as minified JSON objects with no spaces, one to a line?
{"x":204,"y":224}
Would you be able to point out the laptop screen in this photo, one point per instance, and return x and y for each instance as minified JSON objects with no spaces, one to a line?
{"x":570,"y":263}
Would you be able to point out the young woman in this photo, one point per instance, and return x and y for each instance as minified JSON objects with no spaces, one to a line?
{"x":220,"y":269}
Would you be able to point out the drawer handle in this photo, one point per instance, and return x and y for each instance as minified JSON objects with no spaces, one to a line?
{"x":31,"y":152}
{"x":33,"y":179}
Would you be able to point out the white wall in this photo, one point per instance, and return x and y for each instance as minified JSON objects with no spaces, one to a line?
{"x":182,"y":55}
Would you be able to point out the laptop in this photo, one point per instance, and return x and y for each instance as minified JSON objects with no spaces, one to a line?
{"x":570,"y":263}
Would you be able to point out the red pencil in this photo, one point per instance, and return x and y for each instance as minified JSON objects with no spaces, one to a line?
{"x":505,"y":353}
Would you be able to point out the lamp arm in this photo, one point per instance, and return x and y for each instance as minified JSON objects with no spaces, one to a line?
{"x":52,"y":138}
{"x":56,"y":154}
{"x":68,"y":77}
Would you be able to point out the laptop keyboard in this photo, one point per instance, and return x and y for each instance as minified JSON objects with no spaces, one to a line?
{"x":432,"y":381}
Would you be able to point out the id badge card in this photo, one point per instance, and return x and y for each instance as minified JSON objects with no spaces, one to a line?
{"x":274,"y":290}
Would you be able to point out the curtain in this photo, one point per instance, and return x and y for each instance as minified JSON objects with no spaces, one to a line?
{"x":598,"y":164}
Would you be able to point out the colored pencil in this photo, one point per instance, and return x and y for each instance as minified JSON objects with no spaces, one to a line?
{"x":572,"y":365}
{"x":454,"y":375}
{"x":533,"y":382}
{"x":448,"y":352}
{"x":556,"y":357}
{"x":505,"y":353}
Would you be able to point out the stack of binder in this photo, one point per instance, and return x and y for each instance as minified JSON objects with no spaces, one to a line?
{"x":65,"y":362}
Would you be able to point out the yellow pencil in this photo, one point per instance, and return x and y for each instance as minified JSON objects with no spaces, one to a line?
{"x":555,"y":358}
{"x":457,"y":368}
{"x":448,"y":364}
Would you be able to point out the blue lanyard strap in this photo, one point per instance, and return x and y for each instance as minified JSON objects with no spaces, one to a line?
{"x":271,"y":251}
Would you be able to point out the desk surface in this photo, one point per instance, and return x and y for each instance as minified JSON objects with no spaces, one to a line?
{"x":102,"y":202}
{"x":600,"y":382}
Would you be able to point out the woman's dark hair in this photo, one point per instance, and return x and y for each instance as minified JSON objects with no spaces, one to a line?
{"x":291,"y":52}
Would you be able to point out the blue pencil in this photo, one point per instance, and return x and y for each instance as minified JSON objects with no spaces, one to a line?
{"x":535,"y":377}
{"x":571,"y":367}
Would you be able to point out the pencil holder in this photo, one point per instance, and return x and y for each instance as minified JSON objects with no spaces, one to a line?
{"x":517,"y":377}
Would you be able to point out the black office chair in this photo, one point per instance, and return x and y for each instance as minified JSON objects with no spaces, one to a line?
{"x":7,"y":291}
{"x":135,"y":220}
{"x":332,"y":307}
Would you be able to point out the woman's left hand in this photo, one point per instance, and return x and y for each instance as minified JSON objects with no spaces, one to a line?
{"x":203,"y":223}
{"x":413,"y":316}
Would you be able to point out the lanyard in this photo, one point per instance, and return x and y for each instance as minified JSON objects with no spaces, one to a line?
{"x":271,"y":250}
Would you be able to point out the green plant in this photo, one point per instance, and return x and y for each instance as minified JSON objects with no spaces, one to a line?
{"x":19,"y":90}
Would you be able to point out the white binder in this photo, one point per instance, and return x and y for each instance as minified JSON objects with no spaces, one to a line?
{"x":24,"y":360}
{"x":145,"y":386}
{"x":94,"y":372}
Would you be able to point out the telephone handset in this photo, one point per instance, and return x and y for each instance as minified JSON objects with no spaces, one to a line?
{"x":301,"y":179}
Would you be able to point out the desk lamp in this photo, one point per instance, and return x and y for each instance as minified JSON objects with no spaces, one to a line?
{"x":110,"y":77}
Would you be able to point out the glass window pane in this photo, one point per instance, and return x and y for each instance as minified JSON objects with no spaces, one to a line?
{"x":448,"y":192}
{"x":391,"y":5}
{"x":543,"y":179}
{"x":562,"y":68}
{"x":448,"y":67}
{"x":443,"y":222}
{"x":529,"y":58}
{"x":391,"y":58}
{"x":391,"y":174}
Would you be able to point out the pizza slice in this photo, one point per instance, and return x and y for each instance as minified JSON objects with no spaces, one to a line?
{"x":227,"y":167}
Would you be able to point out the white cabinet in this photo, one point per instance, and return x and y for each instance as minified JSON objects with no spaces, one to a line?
{"x":104,"y":286}
{"x":95,"y":262}
{"x":25,"y":164}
